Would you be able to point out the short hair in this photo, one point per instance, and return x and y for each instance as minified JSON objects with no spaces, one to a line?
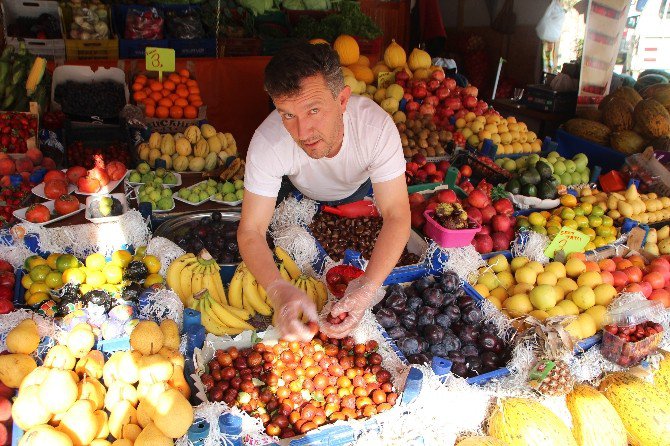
{"x":298,"y":61}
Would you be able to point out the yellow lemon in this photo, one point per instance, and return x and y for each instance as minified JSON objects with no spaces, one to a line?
{"x":34,"y":261}
{"x":152,"y":263}
{"x":39,"y":287}
{"x":95,"y":261}
{"x":95,"y":279}
{"x":121,"y":258}
{"x":85,"y":288}
{"x":570,"y":224}
{"x":74,"y":275}
{"x":589,"y":231}
{"x":36,"y":298}
{"x":153,"y":279}
{"x":52,"y":259}
{"x":26,"y":281}
{"x":54,"y":280}
{"x":113,"y":273}
{"x":537,"y":219}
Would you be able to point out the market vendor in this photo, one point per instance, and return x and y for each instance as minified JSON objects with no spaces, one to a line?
{"x":331,"y":146}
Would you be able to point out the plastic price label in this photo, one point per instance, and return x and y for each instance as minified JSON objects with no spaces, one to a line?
{"x":567,"y":240}
{"x":159,"y":59}
{"x":385,"y":78}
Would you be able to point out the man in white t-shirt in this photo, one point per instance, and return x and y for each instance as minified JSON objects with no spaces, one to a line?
{"x":331,"y":146}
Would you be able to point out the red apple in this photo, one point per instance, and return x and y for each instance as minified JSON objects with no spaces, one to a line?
{"x":430,"y":168}
{"x":402,"y":75}
{"x":470,"y":102}
{"x":419,"y":92}
{"x":442,"y":93}
{"x":431,"y":100}
{"x":449,"y":83}
{"x":446,"y":196}
{"x":487,"y":213}
{"x":475,"y":214}
{"x":500,"y":223}
{"x":412,"y":106}
{"x":482,"y":243}
{"x":443,"y":166}
{"x":453,"y":103}
{"x":416,"y":199}
{"x":419,"y":159}
{"x":433,"y":84}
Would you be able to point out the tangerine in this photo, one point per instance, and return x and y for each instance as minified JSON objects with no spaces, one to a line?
{"x":165,"y":102}
{"x":182,"y":92}
{"x":194,"y":90}
{"x":173,"y":97}
{"x":184,"y":73}
{"x":174,"y":77}
{"x":139,"y":96}
{"x":137,"y":86}
{"x":191,"y":83}
{"x":190,"y":112}
{"x":180,"y":102}
{"x":165,"y":93}
{"x":169,"y":85}
{"x":156,"y":96}
{"x":183,"y":79}
{"x":162,"y":112}
{"x":197,"y":103}
{"x":141,"y":79}
{"x":149,"y":111}
{"x":176,"y":112}
{"x":155,"y":85}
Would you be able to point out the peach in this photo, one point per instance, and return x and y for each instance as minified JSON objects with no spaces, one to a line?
{"x":646,"y":288}
{"x":633,"y":288}
{"x":608,"y":265}
{"x":661,"y":295}
{"x":48,"y":163}
{"x":637,"y":260}
{"x":577,"y":255}
{"x":617,"y":259}
{"x":661,"y":263}
{"x":623,"y":264}
{"x":24,"y":165}
{"x":619,"y":278}
{"x":7,"y":166}
{"x":607,"y":277}
{"x":655,"y":279}
{"x":35,"y":156}
{"x":591,"y":266}
{"x":634,"y":273}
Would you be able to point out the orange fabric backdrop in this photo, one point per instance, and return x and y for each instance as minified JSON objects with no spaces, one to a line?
{"x":232,"y":89}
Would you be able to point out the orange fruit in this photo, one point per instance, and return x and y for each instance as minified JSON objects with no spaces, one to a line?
{"x":197,"y":103}
{"x":183,"y":80}
{"x":174,"y":77}
{"x":139,"y":96}
{"x":165,"y":93}
{"x":190,"y":112}
{"x":165,"y":102}
{"x":149,"y":110}
{"x":184,"y":73}
{"x":137,"y":86}
{"x":173,"y":97}
{"x":169,"y":85}
{"x":182,"y":92}
{"x":176,"y":112}
{"x":141,"y":79}
{"x":155,"y":85}
{"x":148,"y":90}
{"x":194,"y":90}
{"x":149,"y":101}
{"x":156,"y":96}
{"x":180,"y":101}
{"x":191,"y":83}
{"x":162,"y":112}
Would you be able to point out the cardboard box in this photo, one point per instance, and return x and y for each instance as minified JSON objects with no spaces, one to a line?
{"x":53,"y":49}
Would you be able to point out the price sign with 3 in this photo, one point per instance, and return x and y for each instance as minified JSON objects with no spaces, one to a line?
{"x":160,"y":59}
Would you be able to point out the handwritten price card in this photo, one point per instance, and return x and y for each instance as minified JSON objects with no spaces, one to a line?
{"x":567,"y":240}
{"x":160,"y":59}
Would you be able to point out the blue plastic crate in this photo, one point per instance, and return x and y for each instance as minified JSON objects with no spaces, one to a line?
{"x":608,"y":159}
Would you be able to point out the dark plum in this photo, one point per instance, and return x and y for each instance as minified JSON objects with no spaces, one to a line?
{"x":397,"y":332}
{"x":474,"y":365}
{"x":443,"y":320}
{"x":490,"y":361}
{"x":450,"y":281}
{"x":472,"y":315}
{"x":422,"y":284}
{"x":408,"y":320}
{"x":491,"y":342}
{"x":433,"y":333}
{"x":397,"y":302}
{"x":456,"y":357}
{"x":469,"y":350}
{"x":387,"y":318}
{"x":395,"y":288}
{"x":465,"y":302}
{"x":459,"y":369}
{"x":424,"y":346}
{"x":409,"y":345}
{"x":451,"y":343}
{"x":433,"y":297}
{"x":449,"y":298}
{"x":411,"y":292}
{"x":438,"y":350}
{"x":413,"y":303}
{"x":426,"y":315}
{"x":468,"y":334}
{"x":453,"y":312}
{"x":418,"y":358}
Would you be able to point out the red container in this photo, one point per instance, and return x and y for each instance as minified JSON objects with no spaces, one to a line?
{"x":448,"y":238}
{"x":338,"y":277}
{"x":612,"y":182}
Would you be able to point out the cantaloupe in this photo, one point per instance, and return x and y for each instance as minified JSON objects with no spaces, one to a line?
{"x":173,"y":414}
{"x":594,"y":420}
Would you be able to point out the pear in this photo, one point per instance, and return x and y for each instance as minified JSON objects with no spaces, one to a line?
{"x":152,"y":436}
{"x":80,"y":423}
{"x":24,"y":338}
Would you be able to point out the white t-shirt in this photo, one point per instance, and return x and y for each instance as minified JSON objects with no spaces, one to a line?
{"x":371,"y":149}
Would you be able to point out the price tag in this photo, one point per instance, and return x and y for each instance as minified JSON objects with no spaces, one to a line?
{"x":567,"y":240}
{"x":385,"y":78}
{"x":159,"y":59}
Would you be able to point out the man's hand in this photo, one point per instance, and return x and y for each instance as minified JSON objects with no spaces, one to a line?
{"x":360,"y":295}
{"x":291,"y":305}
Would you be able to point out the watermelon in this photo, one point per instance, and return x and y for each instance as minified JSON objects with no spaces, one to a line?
{"x":649,"y":79}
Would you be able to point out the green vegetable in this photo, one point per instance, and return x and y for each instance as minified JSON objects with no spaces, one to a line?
{"x":349,"y":20}
{"x":257,"y":6}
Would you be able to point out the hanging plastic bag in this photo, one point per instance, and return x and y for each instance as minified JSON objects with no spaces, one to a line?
{"x":550,"y":26}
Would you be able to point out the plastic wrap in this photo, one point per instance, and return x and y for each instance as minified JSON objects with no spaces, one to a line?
{"x":144,"y":24}
{"x":184,"y":24}
{"x":653,"y":175}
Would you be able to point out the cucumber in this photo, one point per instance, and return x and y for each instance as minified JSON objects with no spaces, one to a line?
{"x":4,"y":72}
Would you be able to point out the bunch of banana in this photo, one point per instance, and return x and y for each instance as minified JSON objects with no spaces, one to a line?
{"x":287,"y":267}
{"x":246,"y":293}
{"x":189,"y":274}
{"x":217,"y":318}
{"x":314,"y":289}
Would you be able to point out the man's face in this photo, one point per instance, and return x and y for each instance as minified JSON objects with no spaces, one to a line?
{"x":313,"y":117}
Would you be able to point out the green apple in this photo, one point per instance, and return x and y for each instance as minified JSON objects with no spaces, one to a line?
{"x":135,"y":177}
{"x":143,"y":168}
{"x":230,"y":197}
{"x":228,"y":188}
{"x":165,"y":203}
{"x":240,"y":194}
{"x":166,"y":193}
{"x":183,"y":193}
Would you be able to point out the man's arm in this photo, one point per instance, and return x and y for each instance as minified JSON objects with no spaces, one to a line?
{"x":257,"y":213}
{"x":393,"y":203}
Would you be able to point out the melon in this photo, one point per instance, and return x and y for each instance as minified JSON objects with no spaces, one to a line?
{"x":648,"y":80}
{"x":627,"y":141}
{"x":618,"y":114}
{"x":652,"y":118}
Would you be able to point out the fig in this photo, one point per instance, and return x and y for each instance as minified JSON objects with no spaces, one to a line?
{"x":397,"y":332}
{"x":413,"y":303}
{"x":426,"y":315}
{"x":433,"y":333}
{"x":433,"y":297}
{"x":421,"y":284}
{"x":469,"y":350}
{"x":450,"y":281}
{"x":408,"y":320}
{"x":387,"y":318}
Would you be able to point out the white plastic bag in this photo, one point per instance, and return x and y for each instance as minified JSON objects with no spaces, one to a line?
{"x":550,"y":26}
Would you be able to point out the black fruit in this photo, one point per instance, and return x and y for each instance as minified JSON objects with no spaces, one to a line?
{"x":419,"y":358}
{"x":413,"y":303}
{"x":426,"y":315}
{"x":408,"y":320}
{"x":472,"y":315}
{"x":387,"y":318}
{"x":469,"y":350}
{"x":433,"y":333}
{"x":452,"y":312}
{"x":443,"y":320}
{"x":459,"y":369}
{"x":397,"y":302}
{"x":422,"y":284}
{"x":409,"y":345}
{"x":397,"y":332}
{"x":450,"y":281}
{"x":451,"y":343}
{"x":433,"y":297}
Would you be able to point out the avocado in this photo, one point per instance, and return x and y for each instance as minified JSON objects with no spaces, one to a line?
{"x":544,"y":169}
{"x":530,"y":176}
{"x":513,"y":186}
{"x":529,"y":190}
{"x":546,"y":190}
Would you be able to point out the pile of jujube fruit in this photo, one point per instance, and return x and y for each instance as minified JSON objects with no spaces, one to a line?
{"x":435,"y":317}
{"x":295,"y":387}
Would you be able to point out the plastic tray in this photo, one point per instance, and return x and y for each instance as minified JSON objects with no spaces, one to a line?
{"x":176,"y":196}
{"x":21,"y":213}
{"x":570,"y":145}
{"x":90,"y":199}
{"x":448,"y":238}
{"x":227,"y":203}
{"x":154,"y":211}
{"x":176,"y":174}
{"x":39,"y":190}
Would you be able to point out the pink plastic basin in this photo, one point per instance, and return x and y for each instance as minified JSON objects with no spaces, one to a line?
{"x":448,"y":238}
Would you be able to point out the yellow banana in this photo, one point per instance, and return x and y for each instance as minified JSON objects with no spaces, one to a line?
{"x":218,"y":285}
{"x":311,"y":292}
{"x":235,"y":288}
{"x":215,"y":328}
{"x":263,"y":294}
{"x":185,"y":276}
{"x":288,"y":262}
{"x":173,"y":273}
{"x":197,"y":279}
{"x":251,"y":296}
{"x":284,"y":274}
{"x":208,"y":283}
{"x":321,"y":291}
{"x":226,"y":316}
{"x":239,"y":312}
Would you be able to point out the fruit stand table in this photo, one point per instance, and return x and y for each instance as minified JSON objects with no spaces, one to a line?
{"x":541,"y":122}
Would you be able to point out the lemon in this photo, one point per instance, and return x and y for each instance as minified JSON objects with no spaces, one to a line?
{"x":539,"y":229}
{"x":570,"y":224}
{"x":34,"y":261}
{"x":95,"y":261}
{"x":96,"y":279}
{"x":111,"y":289}
{"x":113,"y":273}
{"x":26,"y":281}
{"x":74,"y":275}
{"x":36,"y":298}
{"x":537,"y":219}
{"x":54,"y":280}
{"x":595,"y":221}
{"x":567,"y":213}
{"x":52,"y":260}
{"x":597,"y":211}
{"x":589,"y":231}
{"x":607,"y":221}
{"x":39,"y":287}
{"x":39,"y":272}
{"x":121,"y":258}
{"x":582,"y":221}
{"x":153,"y":279}
{"x":152,"y":263}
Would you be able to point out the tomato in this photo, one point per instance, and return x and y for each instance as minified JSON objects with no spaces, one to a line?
{"x":6,"y":266}
{"x":38,"y":213}
{"x":74,"y":173}
{"x":116,"y":170}
{"x":88,"y":185}
{"x":66,"y":204}
{"x":54,"y":175}
{"x":100,"y":174}
{"x":55,"y":188}
{"x":7,"y":279}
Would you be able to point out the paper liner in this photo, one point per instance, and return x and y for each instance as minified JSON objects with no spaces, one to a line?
{"x":531,"y":245}
{"x":293,"y":212}
{"x":163,"y":304}
{"x":166,"y":251}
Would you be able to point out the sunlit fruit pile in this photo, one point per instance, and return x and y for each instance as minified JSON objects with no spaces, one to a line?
{"x":295,"y":387}
{"x":177,"y":97}
{"x":577,"y":288}
{"x":510,"y":136}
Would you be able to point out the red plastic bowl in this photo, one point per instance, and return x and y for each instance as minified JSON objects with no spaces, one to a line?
{"x":341,"y":275}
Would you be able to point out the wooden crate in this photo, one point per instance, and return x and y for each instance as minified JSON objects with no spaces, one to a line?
{"x":392,"y":17}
